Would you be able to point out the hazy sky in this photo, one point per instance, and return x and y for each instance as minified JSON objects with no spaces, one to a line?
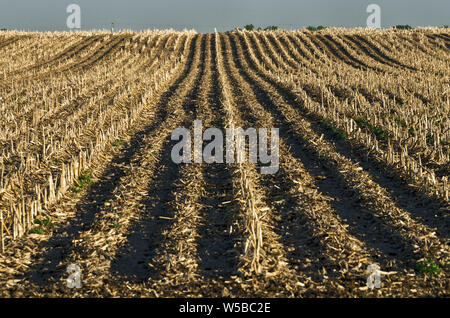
{"x":204,"y":15}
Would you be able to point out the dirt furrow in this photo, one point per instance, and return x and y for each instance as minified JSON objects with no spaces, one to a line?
{"x":274,"y":40}
{"x":174,"y":267}
{"x":308,"y":46}
{"x":421,"y":42}
{"x":89,"y":136}
{"x":11,"y":40}
{"x":212,"y":226}
{"x":107,"y":50}
{"x":438,"y":42}
{"x":295,"y":52}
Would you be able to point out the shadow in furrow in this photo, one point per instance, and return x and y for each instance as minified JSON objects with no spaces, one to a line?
{"x":438,"y":36}
{"x":11,"y":41}
{"x":305,"y":249}
{"x":436,"y":44}
{"x":290,"y":39}
{"x":424,"y":208}
{"x":218,"y":258}
{"x":446,"y":39}
{"x":190,"y":106}
{"x":279,"y":50}
{"x":131,"y":262}
{"x":265,"y":47}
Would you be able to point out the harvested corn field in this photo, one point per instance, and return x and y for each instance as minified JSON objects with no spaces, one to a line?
{"x":87,"y":177}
